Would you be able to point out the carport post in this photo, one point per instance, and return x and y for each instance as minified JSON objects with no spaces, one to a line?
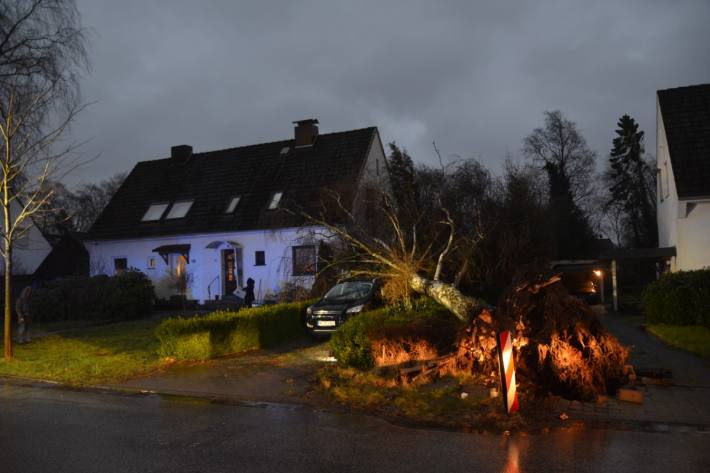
{"x":614,"y":286}
{"x":601,"y":287}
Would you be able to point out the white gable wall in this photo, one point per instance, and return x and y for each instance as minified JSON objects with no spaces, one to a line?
{"x":205,"y":264}
{"x":684,"y":224}
{"x":30,"y":250}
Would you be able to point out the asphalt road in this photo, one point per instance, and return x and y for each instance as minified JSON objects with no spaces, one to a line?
{"x":51,"y":430}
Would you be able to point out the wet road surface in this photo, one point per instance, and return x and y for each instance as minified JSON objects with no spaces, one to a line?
{"x":70,"y":431}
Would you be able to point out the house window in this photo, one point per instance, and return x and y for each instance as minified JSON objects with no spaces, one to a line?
{"x":179,"y":209}
{"x":152,"y":262}
{"x":120,"y":265}
{"x":154,"y":212}
{"x":275,"y":199}
{"x":259,"y":258}
{"x":232,"y":204}
{"x":304,"y":260}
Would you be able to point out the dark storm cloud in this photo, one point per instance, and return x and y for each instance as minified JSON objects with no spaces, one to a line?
{"x":474,"y":77}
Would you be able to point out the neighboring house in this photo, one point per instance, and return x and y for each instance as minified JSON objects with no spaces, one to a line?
{"x":683,"y":159}
{"x":30,"y":248}
{"x":67,"y":258}
{"x":222,"y":216}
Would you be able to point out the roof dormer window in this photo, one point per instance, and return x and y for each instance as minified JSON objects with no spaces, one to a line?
{"x":275,"y":199}
{"x":179,"y":209}
{"x":154,"y":212}
{"x":233,"y":204}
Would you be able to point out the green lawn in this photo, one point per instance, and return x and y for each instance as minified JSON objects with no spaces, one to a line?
{"x":90,"y":355}
{"x":693,"y":338}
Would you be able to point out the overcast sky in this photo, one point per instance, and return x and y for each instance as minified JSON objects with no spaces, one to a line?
{"x":474,"y":76}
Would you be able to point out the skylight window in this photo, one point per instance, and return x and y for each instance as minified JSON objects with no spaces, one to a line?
{"x":179,"y":209}
{"x":233,"y":204}
{"x":154,"y":212}
{"x":275,"y":199}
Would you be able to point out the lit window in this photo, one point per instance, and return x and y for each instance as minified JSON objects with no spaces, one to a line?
{"x":304,"y":260}
{"x":233,"y":204}
{"x":275,"y":199}
{"x":180,"y":209}
{"x":155,"y":211}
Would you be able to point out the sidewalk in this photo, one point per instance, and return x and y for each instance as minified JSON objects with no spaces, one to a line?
{"x":281,"y":375}
{"x":683,"y":402}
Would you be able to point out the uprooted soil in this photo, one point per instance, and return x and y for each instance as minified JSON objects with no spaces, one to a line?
{"x":560,"y":345}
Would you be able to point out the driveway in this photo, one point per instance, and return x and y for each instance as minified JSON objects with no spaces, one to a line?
{"x":680,"y":403}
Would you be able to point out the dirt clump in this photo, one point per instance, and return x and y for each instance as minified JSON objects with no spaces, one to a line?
{"x":559,"y":343}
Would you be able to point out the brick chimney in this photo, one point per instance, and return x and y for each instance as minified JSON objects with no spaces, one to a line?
{"x":181,"y":152}
{"x":306,"y":132}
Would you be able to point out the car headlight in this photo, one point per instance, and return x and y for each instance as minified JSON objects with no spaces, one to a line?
{"x":355,"y":309}
{"x":309,"y":310}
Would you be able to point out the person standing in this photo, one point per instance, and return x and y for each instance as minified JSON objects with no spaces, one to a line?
{"x":24,"y":315}
{"x":249,"y":293}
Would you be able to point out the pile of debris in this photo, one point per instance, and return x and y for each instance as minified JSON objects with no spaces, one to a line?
{"x":560,"y":345}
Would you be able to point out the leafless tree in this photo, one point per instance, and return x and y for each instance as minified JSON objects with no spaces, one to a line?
{"x":42,"y":49}
{"x":404,"y":263}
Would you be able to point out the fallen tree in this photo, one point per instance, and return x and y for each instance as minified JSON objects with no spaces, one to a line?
{"x":561,"y":346}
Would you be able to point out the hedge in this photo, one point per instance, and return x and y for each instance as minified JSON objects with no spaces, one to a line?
{"x":223,"y":333}
{"x":681,"y":298}
{"x":351,"y":344}
{"x":126,"y":296}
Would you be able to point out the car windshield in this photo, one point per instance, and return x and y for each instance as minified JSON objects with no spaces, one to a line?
{"x":349,"y":290}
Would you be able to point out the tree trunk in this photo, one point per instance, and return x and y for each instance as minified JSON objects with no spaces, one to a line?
{"x":7,"y":339}
{"x":464,"y":307}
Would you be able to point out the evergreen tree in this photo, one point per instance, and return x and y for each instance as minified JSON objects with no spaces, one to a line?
{"x":403,"y":183}
{"x":631,"y":184}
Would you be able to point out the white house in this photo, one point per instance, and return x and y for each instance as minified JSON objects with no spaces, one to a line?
{"x":683,"y":159}
{"x":30,"y":248}
{"x":223,"y":216}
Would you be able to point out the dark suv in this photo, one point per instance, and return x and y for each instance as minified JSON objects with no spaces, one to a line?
{"x":340,"y":302}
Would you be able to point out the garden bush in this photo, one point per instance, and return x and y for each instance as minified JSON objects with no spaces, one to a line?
{"x":358,"y":341}
{"x":223,"y":333}
{"x":126,"y":296}
{"x":681,"y":298}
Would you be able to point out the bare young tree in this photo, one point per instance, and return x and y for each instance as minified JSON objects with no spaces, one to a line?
{"x":42,"y":48}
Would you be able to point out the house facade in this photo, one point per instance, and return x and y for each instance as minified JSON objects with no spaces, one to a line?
{"x":214,"y":219}
{"x":683,"y":171}
{"x":30,"y":247}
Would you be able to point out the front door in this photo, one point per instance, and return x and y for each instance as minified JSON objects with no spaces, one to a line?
{"x":230,"y":281}
{"x":232,"y":270}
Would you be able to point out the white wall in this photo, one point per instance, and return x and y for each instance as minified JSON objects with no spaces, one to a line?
{"x":684,"y":224}
{"x":205,"y":264}
{"x":667,"y":197}
{"x":29,"y":250}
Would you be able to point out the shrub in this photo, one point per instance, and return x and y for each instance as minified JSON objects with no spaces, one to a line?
{"x":427,"y":325}
{"x":222,"y":333}
{"x":681,"y":298}
{"x":126,"y":296}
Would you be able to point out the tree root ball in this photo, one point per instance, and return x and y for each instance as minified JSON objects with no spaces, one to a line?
{"x":560,"y":345}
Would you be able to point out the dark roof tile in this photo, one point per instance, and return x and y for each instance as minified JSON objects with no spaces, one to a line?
{"x":686,"y":118}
